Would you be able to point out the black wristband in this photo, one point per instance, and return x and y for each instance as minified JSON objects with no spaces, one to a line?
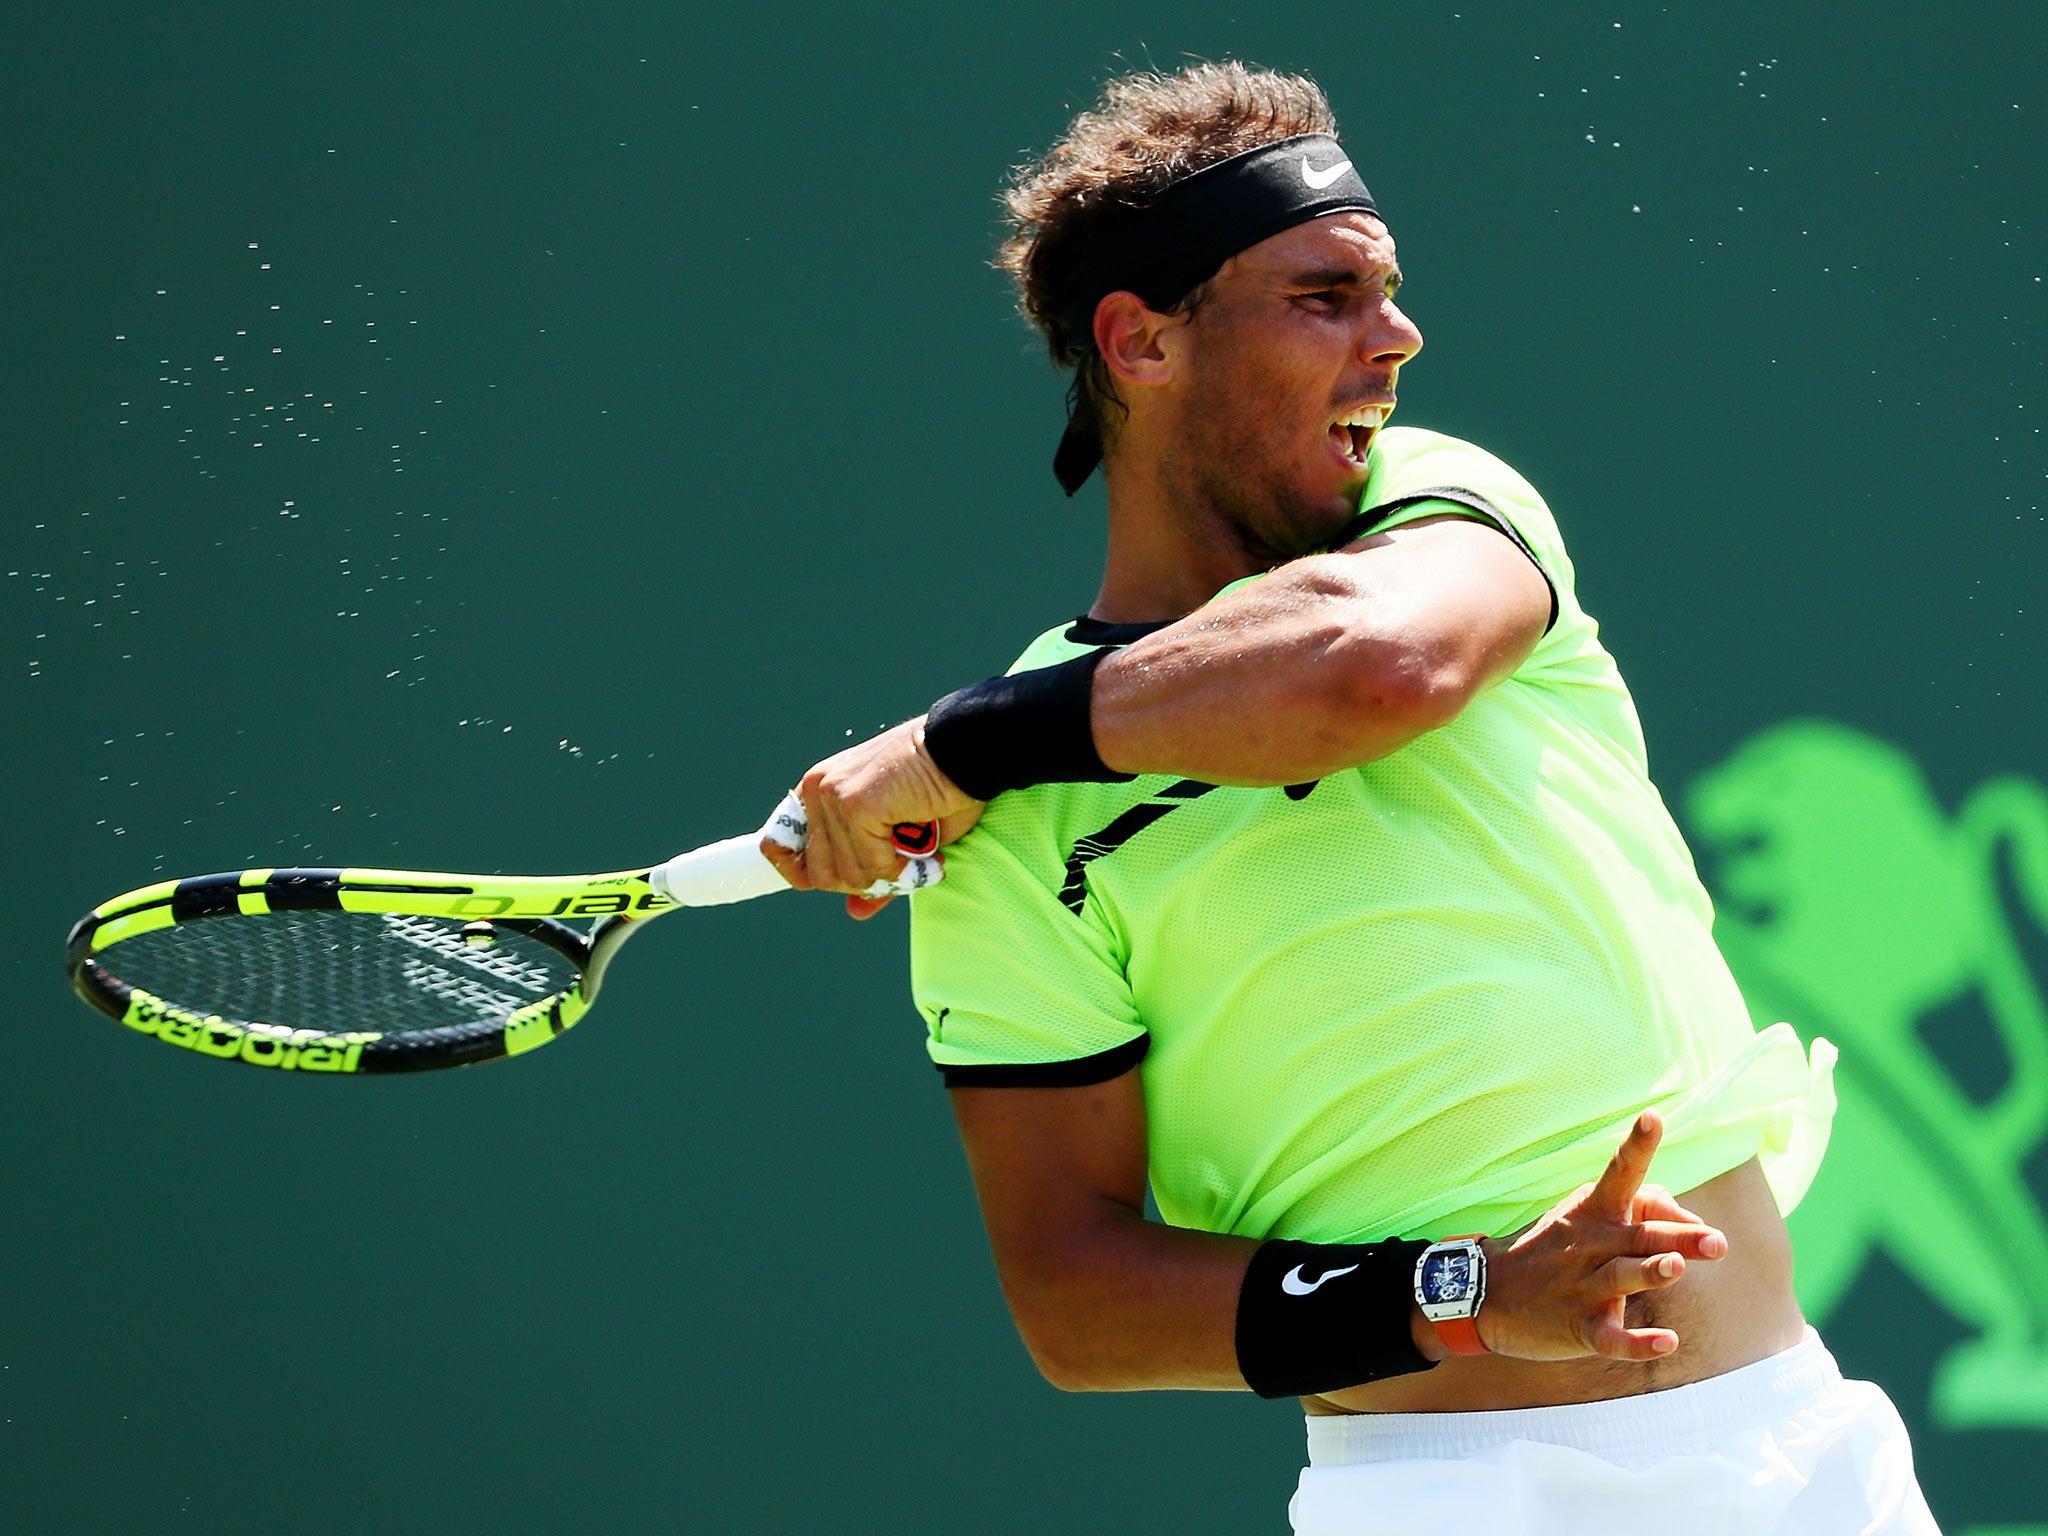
{"x":1014,"y":732}
{"x":1319,"y":1317}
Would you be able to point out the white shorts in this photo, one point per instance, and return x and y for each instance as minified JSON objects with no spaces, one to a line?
{"x":1782,"y":1446}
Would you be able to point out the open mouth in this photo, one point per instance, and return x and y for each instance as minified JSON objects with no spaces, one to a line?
{"x":1352,"y":433}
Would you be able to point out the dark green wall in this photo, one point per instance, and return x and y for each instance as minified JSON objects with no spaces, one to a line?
{"x":670,"y":425}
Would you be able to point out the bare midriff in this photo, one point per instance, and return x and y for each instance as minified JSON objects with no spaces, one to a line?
{"x":1727,"y":1313}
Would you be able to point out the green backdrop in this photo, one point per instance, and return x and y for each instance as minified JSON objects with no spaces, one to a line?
{"x":524,"y":438}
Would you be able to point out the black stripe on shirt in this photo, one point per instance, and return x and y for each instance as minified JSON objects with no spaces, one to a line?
{"x":1079,"y":1073}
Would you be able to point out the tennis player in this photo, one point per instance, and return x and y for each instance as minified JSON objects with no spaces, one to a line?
{"x":1321,"y":884}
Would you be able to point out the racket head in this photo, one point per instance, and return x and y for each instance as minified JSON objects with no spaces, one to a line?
{"x":355,"y":971}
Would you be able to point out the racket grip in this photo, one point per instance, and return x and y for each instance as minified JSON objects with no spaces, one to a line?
{"x":718,"y":874}
{"x":736,"y":869}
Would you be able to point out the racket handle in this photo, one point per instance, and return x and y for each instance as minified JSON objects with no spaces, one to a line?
{"x":736,"y":869}
{"x":718,"y":874}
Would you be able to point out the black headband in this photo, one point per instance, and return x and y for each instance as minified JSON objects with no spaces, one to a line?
{"x":1162,"y":250}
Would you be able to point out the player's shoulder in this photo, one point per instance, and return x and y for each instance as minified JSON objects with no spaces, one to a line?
{"x":1414,"y":458}
{"x":1416,"y":466}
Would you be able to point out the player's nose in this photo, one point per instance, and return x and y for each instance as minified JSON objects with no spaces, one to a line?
{"x":1389,"y":336}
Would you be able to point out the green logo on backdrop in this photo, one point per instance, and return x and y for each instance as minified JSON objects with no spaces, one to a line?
{"x":1851,"y":904}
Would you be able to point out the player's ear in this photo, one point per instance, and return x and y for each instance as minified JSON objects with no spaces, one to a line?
{"x":1127,"y":335}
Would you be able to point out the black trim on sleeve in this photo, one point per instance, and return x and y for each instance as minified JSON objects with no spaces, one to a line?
{"x":1087,"y":631}
{"x":1471,"y":501}
{"x":1080,"y":1073}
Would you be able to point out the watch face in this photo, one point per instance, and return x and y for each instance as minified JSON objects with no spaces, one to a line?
{"x":1447,"y":1276}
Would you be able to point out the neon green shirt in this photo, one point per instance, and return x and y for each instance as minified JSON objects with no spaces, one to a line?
{"x":1422,"y":996}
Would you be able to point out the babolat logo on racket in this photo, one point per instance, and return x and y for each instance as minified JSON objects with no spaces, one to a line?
{"x":607,"y":903}
{"x":915,"y":838}
{"x":301,"y":1050}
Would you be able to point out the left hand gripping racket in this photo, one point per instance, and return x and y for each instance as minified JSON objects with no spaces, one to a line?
{"x":387,"y":970}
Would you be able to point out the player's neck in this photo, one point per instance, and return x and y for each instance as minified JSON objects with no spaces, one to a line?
{"x":1168,"y":552}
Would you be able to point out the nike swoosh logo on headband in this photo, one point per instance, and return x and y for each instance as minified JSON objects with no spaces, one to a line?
{"x":1318,"y":180}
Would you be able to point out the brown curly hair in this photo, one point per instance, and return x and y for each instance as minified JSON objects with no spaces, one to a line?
{"x":1145,"y":132}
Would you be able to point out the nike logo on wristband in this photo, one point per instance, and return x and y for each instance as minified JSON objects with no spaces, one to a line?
{"x":1294,"y":1285}
{"x":1318,"y":180}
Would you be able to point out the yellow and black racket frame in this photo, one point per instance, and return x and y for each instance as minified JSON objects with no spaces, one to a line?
{"x":619,"y":905}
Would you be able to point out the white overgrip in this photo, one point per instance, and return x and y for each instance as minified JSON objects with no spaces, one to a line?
{"x":735,"y":869}
{"x":718,"y":873}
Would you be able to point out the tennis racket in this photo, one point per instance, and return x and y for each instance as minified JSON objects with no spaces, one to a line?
{"x":388,"y":970}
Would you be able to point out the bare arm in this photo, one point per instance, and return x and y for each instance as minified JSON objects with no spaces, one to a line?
{"x":1103,"y":1298}
{"x":1326,"y":663}
{"x":1107,"y":1301}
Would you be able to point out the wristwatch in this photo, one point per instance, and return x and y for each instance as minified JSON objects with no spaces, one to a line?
{"x":1450,"y":1283}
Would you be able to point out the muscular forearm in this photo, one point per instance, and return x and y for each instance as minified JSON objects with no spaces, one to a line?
{"x":1124,"y":1304}
{"x":1302,"y":674}
{"x":1323,"y":664}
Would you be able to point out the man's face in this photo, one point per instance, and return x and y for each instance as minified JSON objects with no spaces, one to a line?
{"x":1284,"y":376}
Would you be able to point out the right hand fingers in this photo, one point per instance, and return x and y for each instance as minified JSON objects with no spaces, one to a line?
{"x":826,"y":860}
{"x":861,"y":908}
{"x":960,"y":823}
{"x":788,"y":862}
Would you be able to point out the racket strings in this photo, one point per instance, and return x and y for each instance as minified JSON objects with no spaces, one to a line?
{"x":340,"y":971}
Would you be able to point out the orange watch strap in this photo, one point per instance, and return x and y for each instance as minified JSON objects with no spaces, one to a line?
{"x":1460,"y":1335}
